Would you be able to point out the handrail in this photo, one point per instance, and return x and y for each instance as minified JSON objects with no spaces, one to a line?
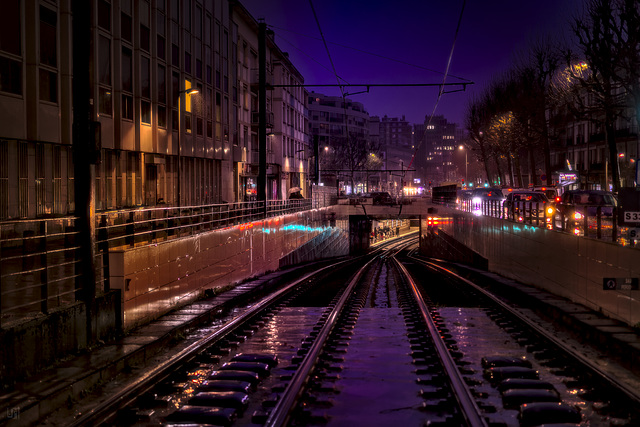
{"x":38,"y":257}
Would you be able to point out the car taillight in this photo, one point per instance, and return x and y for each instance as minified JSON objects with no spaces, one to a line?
{"x":558,"y":199}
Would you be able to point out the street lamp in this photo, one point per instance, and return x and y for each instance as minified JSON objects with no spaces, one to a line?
{"x":189,"y":91}
{"x":465,"y":163}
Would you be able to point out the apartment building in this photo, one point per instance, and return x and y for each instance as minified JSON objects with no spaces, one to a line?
{"x":437,"y":139}
{"x":331,"y":119}
{"x":174,"y":89}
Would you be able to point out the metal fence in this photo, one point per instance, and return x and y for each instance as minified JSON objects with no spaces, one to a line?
{"x":597,"y":222}
{"x":39,"y":258}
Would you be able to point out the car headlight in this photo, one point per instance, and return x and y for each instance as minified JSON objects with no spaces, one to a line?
{"x":550,"y":210}
{"x":578,"y":216}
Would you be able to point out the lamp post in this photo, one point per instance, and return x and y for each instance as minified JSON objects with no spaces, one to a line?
{"x":189,"y":91}
{"x":465,"y":163}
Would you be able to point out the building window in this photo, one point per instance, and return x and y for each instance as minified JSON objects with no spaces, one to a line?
{"x":162,"y":116}
{"x":105,"y":103}
{"x":4,"y":180}
{"x":161,"y":48}
{"x":162,"y":85}
{"x":58,"y":207}
{"x":187,"y":63}
{"x":187,"y":14}
{"x":127,"y":107}
{"x":198,"y":22}
{"x":145,"y":42}
{"x":48,"y":45}
{"x":175,"y":88}
{"x":175,"y":55}
{"x":160,"y":38}
{"x":145,"y":82}
{"x":126,"y":24}
{"x":10,"y":29}
{"x":40,"y":186}
{"x":108,"y":178}
{"x":104,"y":15}
{"x":48,"y":55}
{"x":145,"y":112}
{"x":10,"y":75}
{"x":218,"y":74}
{"x":71,"y":189}
{"x":99,"y":187}
{"x":127,"y":83}
{"x":48,"y":86}
{"x":104,"y":61}
{"x":23,"y":179}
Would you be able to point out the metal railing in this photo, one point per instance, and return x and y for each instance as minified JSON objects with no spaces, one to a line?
{"x":39,"y":258}
{"x":38,"y":261}
{"x":592,"y":221}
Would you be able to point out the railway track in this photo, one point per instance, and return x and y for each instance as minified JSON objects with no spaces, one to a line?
{"x":386,"y":339}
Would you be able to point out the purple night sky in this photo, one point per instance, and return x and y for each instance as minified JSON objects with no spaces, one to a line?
{"x":419,"y":33}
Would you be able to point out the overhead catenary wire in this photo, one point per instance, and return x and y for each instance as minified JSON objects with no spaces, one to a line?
{"x":344,"y":99}
{"x":361,"y":51}
{"x":326,"y":47}
{"x":341,"y":82}
{"x":444,"y":79}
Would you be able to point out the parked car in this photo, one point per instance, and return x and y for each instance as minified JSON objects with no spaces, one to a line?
{"x":521,"y":205}
{"x":577,"y":211}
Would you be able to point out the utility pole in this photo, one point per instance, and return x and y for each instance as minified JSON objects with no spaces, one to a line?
{"x":262,"y":113}
{"x":316,"y":155}
{"x":85,"y":152}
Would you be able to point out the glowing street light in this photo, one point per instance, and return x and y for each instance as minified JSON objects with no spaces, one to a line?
{"x":188,"y":91}
{"x":465,"y":162}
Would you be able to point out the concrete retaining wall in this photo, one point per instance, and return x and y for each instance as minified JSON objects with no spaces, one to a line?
{"x":29,"y":347}
{"x":156,"y":279}
{"x":566,"y":265}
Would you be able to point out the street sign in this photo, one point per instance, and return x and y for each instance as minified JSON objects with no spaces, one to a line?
{"x":631,"y":216}
{"x":620,"y":283}
{"x":634,"y":233}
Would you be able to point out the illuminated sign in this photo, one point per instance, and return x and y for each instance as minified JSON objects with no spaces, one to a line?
{"x":568,"y":177}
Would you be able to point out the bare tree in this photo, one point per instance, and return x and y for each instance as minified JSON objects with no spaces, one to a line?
{"x":477,"y":122}
{"x":535,"y":69}
{"x":593,"y":69}
{"x":352,"y":155}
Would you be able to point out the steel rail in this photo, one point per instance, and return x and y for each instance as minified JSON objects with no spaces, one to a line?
{"x":154,"y":375}
{"x":280,"y":414}
{"x":469,"y":408}
{"x":629,"y":390}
